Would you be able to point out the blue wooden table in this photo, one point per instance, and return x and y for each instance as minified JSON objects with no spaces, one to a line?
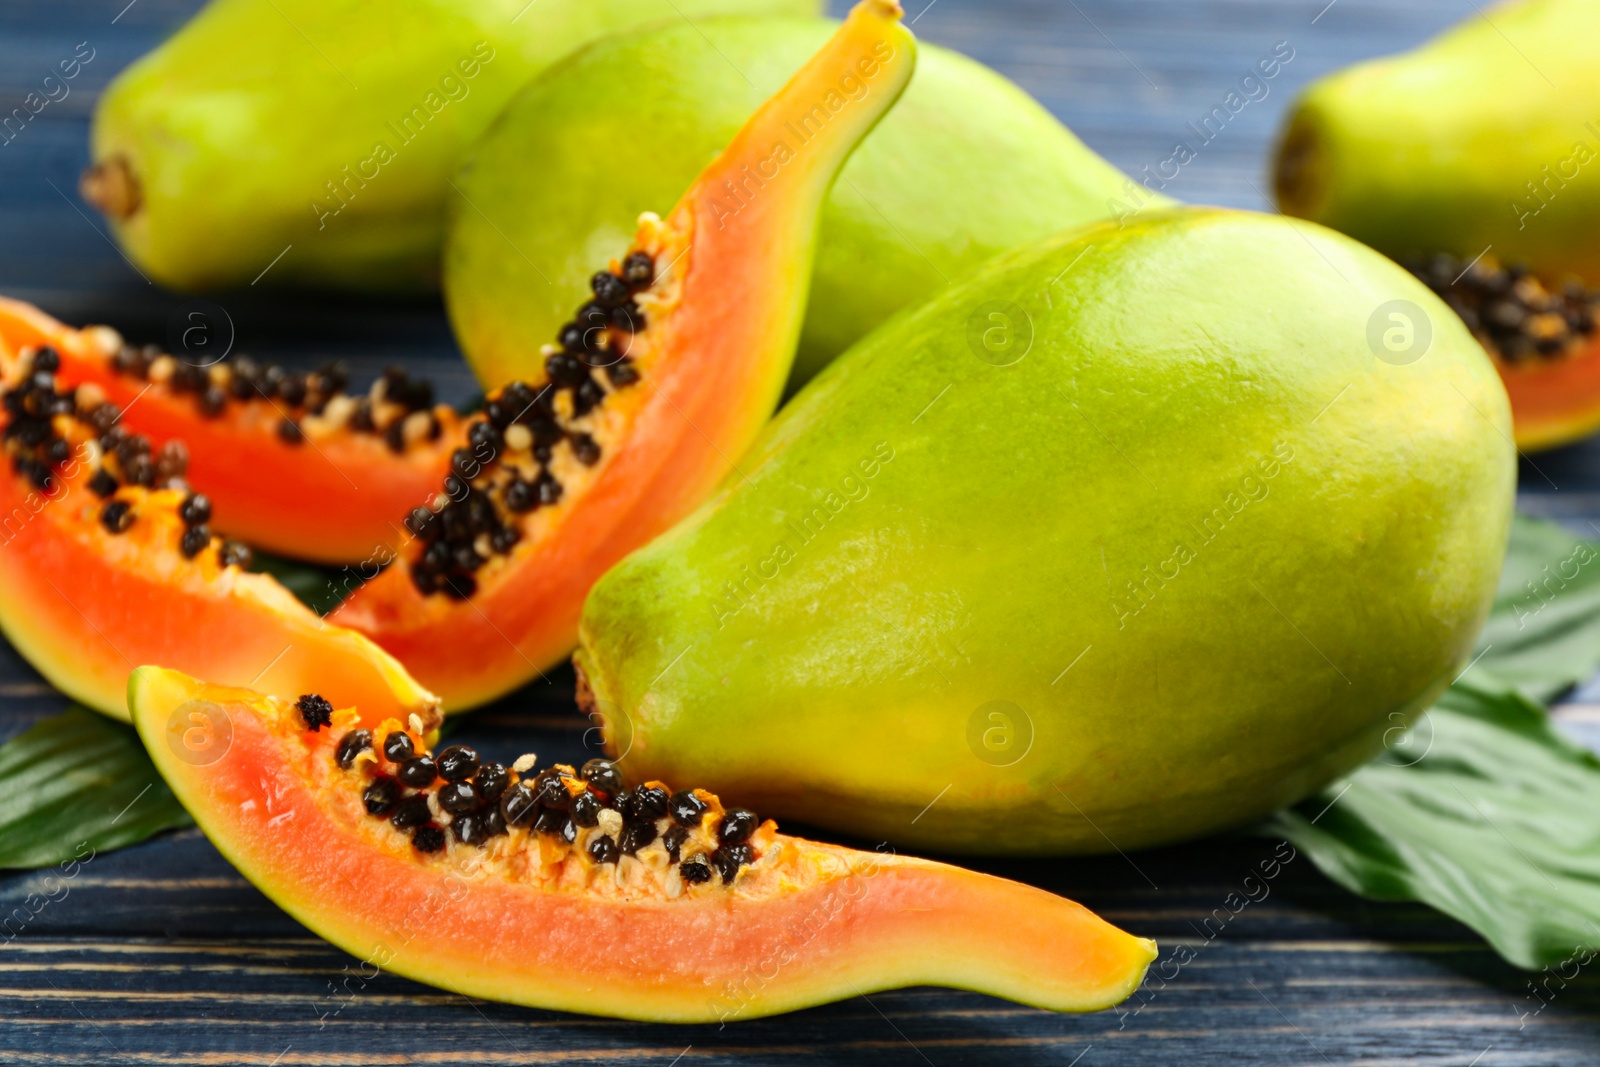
{"x":162,"y":954}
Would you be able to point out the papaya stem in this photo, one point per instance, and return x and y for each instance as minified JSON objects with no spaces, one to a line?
{"x":111,"y":188}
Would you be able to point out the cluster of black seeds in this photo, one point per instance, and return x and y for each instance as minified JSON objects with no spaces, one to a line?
{"x":38,"y":452}
{"x":386,"y":409}
{"x":482,"y":800}
{"x":484,"y":499}
{"x":1510,"y":310}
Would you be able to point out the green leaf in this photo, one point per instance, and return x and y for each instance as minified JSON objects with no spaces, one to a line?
{"x":79,"y":781}
{"x":1543,"y":634}
{"x":1487,"y":814}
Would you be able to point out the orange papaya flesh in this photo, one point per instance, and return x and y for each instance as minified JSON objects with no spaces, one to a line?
{"x":108,"y":561}
{"x":563,"y":889}
{"x":1542,"y":337}
{"x":651,"y":396}
{"x":293,"y":463}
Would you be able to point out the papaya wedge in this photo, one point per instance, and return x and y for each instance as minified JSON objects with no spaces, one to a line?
{"x":292,"y":463}
{"x":565,"y":889}
{"x":657,"y":387}
{"x":108,"y":560}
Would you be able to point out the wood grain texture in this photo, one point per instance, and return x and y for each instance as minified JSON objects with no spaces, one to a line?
{"x":163,"y":954}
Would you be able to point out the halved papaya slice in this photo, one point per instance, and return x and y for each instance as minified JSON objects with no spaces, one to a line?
{"x":1544,"y":340}
{"x":293,"y":463}
{"x":653,"y":393}
{"x":562,"y":888}
{"x":108,"y":561}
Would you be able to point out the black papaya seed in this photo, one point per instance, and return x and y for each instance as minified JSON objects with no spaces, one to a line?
{"x":428,"y":838}
{"x":212,"y":401}
{"x":565,"y":370}
{"x":293,"y":390}
{"x":398,"y":747}
{"x":352,"y":745}
{"x":547,"y":489}
{"x":728,"y":859}
{"x":471,"y":829}
{"x":673,"y":839}
{"x":457,"y":763}
{"x":737,"y":826}
{"x":649,"y":803}
{"x":518,"y":804}
{"x":695,"y":870}
{"x":117,"y":516}
{"x":585,"y":450}
{"x":381,"y":795}
{"x":687,"y":808}
{"x":521,"y":497}
{"x":458,"y":797}
{"x":492,"y":780}
{"x":551,"y":792}
{"x":622,"y":373}
{"x":573,"y":337}
{"x":315,"y":710}
{"x":504,"y":539}
{"x":195,"y":509}
{"x":603,"y":777}
{"x":549,"y":820}
{"x":586,"y":809}
{"x":411,"y":812}
{"x":587,"y":396}
{"x":485,"y":440}
{"x":423,"y":525}
{"x":636,"y":835}
{"x":234,"y":554}
{"x":418,"y":772}
{"x":638,"y":270}
{"x":609,"y":290}
{"x":603,"y":850}
{"x":194,"y":541}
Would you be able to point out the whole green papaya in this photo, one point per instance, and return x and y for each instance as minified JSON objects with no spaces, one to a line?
{"x":966,"y":166}
{"x":326,"y":132}
{"x":1127,"y":538}
{"x":1481,"y":141}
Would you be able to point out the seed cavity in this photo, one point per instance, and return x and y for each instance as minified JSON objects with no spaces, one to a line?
{"x":48,"y":427}
{"x":504,"y":472}
{"x":591,"y":813}
{"x":397,"y":407}
{"x":1513,"y":313}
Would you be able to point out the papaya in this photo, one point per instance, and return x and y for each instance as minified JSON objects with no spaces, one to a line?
{"x":966,"y":166}
{"x":292,"y":463}
{"x":306,"y":142}
{"x":108,"y":560}
{"x":1127,"y":538}
{"x":1471,"y":160}
{"x":563,"y":888}
{"x":651,"y":394}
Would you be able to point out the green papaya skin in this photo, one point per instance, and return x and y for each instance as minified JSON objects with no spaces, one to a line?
{"x":1487,"y":137}
{"x":1186,"y":559}
{"x":327,"y":128}
{"x":561,"y":178}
